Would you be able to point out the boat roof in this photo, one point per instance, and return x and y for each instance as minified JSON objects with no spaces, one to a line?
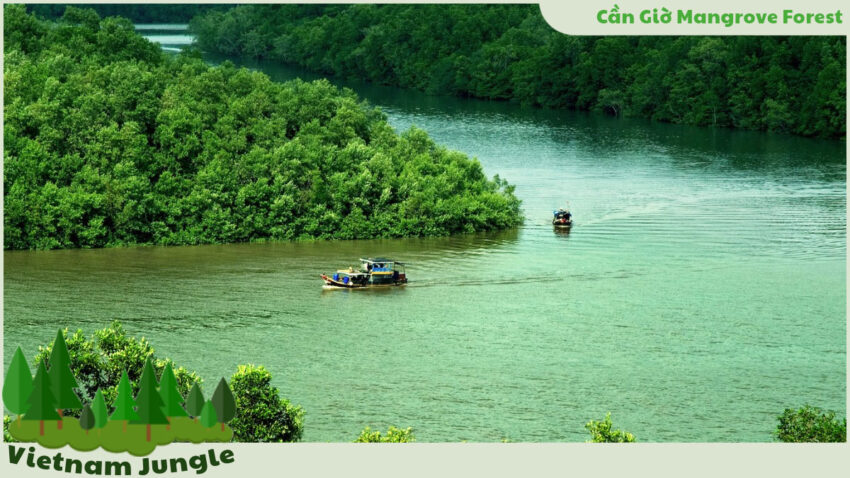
{"x":382,"y":260}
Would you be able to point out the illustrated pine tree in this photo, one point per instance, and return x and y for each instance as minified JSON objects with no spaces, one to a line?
{"x":87,"y":418}
{"x":41,"y":401}
{"x":98,"y":408}
{"x":17,"y":385}
{"x":168,"y":391}
{"x":224,"y":403}
{"x":208,"y":415}
{"x":124,"y":403}
{"x":61,"y":378}
{"x":195,"y":402}
{"x":149,"y":403}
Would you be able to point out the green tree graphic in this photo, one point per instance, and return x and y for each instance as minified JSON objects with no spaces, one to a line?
{"x":170,"y":395}
{"x":195,"y":402}
{"x":87,"y":419}
{"x":17,"y":385}
{"x":41,"y":400}
{"x":62,"y":379}
{"x":148,"y":400}
{"x":98,"y":407}
{"x":124,"y":403}
{"x":224,"y":403}
{"x":208,"y":415}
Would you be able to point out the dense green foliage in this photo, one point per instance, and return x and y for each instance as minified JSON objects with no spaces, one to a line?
{"x":604,"y":432}
{"x":7,"y":437}
{"x":394,"y":435}
{"x":810,"y":424}
{"x":99,"y":362}
{"x":261,"y":415}
{"x":784,"y":84}
{"x":137,"y":12}
{"x":110,"y":142}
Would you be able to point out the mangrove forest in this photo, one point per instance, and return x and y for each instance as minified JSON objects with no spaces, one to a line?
{"x":508,"y":52}
{"x":109,"y":141}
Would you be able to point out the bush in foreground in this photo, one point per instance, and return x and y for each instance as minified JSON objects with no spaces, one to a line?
{"x":261,"y":415}
{"x":394,"y":435}
{"x":810,"y":424}
{"x":98,"y":362}
{"x":603,"y":432}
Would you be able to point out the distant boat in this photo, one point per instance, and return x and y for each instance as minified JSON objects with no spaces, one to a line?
{"x":373,"y":272}
{"x":562,"y":218}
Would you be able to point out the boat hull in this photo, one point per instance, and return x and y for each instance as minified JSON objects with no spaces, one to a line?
{"x":330,"y":282}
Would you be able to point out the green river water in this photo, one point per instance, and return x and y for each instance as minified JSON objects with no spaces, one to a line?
{"x":701,"y":291}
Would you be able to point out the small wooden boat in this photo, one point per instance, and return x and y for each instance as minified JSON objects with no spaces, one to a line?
{"x":373,"y":272}
{"x":562,"y":218}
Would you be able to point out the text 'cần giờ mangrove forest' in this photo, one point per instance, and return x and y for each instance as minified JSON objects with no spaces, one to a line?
{"x":111,"y":142}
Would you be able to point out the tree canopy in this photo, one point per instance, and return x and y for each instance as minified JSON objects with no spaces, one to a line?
{"x":62,"y":379}
{"x":111,"y":142}
{"x":99,"y":409}
{"x":124,"y":403}
{"x":137,"y":12}
{"x":195,"y":401}
{"x":17,"y":384}
{"x":41,"y":400}
{"x":170,"y":393}
{"x":149,"y":404}
{"x":508,"y":52}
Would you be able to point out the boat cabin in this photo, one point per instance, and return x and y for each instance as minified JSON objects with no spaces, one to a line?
{"x":384,"y":271}
{"x":562,"y":218}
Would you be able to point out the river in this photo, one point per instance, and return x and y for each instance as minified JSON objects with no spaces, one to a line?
{"x":700,"y":293}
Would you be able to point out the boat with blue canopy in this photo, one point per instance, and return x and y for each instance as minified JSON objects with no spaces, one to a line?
{"x":379,"y":271}
{"x":562,"y":218}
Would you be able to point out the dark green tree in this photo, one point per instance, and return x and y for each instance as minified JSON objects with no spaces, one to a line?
{"x":149,"y":403}
{"x":173,"y":401}
{"x":209,"y":417}
{"x":62,"y":380}
{"x":41,"y":400}
{"x":124,"y":403}
{"x":224,"y":403}
{"x":195,"y":401}
{"x":809,"y":425}
{"x":101,"y":413}
{"x":262,"y":415}
{"x":17,"y":385}
{"x":87,"y":419}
